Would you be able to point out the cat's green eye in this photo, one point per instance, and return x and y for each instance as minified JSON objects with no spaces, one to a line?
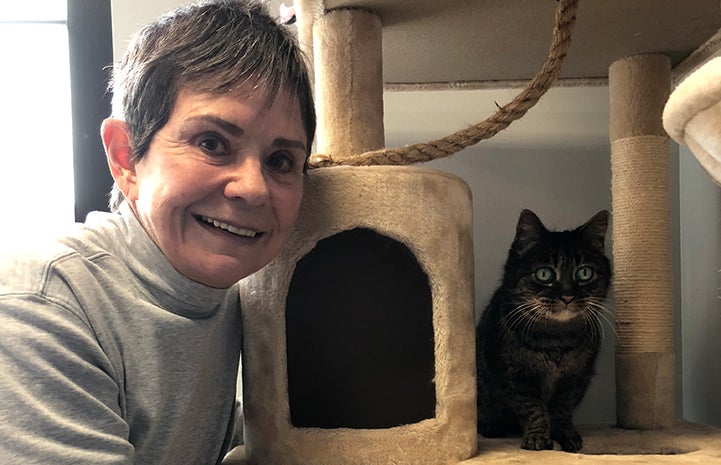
{"x":584,"y":274}
{"x":545,"y":275}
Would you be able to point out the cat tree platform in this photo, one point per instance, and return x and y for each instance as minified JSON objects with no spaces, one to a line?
{"x":685,"y":443}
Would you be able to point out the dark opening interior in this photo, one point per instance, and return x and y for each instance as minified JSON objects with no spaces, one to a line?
{"x":359,"y":328}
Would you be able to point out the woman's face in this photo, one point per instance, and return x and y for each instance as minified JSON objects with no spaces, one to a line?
{"x":221,"y":184}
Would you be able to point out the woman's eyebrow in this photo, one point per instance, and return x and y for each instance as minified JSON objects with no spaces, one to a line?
{"x":229,"y":127}
{"x":235,"y":130}
{"x":289,"y":143}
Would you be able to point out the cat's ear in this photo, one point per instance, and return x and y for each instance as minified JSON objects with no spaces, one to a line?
{"x":595,"y":229}
{"x":529,"y":231}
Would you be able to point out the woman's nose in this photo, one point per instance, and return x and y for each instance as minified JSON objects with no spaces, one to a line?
{"x":247,"y":182}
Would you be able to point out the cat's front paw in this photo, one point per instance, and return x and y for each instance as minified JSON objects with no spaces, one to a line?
{"x":536,"y":441}
{"x":570,"y":440}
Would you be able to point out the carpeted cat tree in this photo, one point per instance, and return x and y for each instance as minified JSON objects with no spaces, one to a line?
{"x":320,"y":408}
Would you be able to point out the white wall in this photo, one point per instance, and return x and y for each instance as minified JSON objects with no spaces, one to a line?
{"x":131,"y":15}
{"x":700,"y":226}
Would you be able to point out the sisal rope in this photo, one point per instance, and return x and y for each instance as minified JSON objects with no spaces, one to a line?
{"x":447,"y":146}
{"x":642,"y":256}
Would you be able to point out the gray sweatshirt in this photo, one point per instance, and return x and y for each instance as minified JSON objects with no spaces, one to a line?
{"x":108,"y":355}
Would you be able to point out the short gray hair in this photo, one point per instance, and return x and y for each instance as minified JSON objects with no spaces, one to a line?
{"x":210,"y":46}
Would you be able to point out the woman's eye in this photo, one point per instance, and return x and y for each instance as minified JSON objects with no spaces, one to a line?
{"x":281,"y":162}
{"x":584,"y":274}
{"x":213,"y":144}
{"x":545,"y":275}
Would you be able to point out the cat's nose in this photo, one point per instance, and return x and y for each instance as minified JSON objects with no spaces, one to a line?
{"x":566,"y":299}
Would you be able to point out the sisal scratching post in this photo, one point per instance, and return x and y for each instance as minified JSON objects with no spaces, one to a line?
{"x":348,"y":82}
{"x":645,"y":365}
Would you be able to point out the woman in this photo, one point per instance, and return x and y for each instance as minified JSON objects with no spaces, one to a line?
{"x":120,"y":341}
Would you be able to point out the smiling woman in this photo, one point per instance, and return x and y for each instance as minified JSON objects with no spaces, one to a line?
{"x":121,"y":337}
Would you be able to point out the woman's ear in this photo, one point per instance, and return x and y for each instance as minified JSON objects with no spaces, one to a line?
{"x":116,"y":140}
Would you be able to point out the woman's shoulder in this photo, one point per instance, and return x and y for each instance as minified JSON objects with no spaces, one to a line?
{"x":30,"y":259}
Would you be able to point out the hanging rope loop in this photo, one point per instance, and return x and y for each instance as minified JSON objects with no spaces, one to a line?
{"x":515,"y":109}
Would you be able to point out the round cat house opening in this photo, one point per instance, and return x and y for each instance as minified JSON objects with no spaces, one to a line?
{"x":359,"y":331}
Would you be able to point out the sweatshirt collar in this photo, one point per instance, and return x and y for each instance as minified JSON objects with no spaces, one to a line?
{"x":164,"y":283}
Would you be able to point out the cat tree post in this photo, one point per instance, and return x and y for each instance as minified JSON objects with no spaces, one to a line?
{"x":645,"y":366}
{"x":348,"y":82}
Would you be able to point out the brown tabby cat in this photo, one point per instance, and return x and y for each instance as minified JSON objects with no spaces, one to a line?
{"x":538,"y":339}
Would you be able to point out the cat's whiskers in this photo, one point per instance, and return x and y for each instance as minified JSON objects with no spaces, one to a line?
{"x":525,"y":317}
{"x":592,"y":320}
{"x":528,"y":315}
{"x":519,"y":314}
{"x":598,"y":307}
{"x":539,"y":317}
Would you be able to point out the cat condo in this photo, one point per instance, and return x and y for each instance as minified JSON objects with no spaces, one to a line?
{"x":359,"y":338}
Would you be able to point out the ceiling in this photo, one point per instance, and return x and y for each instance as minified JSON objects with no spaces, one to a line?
{"x":442,"y":41}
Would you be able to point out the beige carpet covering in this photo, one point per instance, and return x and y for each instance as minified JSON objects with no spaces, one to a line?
{"x":686,"y":443}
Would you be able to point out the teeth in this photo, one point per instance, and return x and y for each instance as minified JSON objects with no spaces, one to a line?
{"x":229,"y":228}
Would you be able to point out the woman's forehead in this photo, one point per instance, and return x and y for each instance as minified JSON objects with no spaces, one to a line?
{"x":245,"y":91}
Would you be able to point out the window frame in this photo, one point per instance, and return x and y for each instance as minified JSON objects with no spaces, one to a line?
{"x":90,"y":45}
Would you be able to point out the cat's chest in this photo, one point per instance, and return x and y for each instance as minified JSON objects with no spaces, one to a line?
{"x":550,"y":368}
{"x":555,"y":363}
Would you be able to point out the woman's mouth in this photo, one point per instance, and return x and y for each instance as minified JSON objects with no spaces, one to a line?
{"x":228,"y":227}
